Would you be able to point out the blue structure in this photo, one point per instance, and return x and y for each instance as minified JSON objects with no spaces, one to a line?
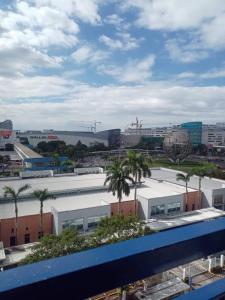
{"x":194,"y":130}
{"x":84,"y":274}
{"x":43,"y":163}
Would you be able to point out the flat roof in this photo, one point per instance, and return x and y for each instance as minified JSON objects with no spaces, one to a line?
{"x":63,"y":183}
{"x":170,"y":176}
{"x":157,"y":189}
{"x":65,"y":203}
{"x":185,"y":218}
{"x":56,"y":183}
{"x":91,"y":198}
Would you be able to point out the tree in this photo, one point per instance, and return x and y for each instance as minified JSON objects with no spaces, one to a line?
{"x":15,"y":195}
{"x":50,"y":246}
{"x":185,"y":178}
{"x":118,"y":178}
{"x":42,"y":195}
{"x":109,"y":230}
{"x":138,"y":166}
{"x":57,"y":161}
{"x":67,"y":164}
{"x":119,"y":228}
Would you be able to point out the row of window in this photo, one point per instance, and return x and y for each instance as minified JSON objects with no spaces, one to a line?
{"x":79,"y":223}
{"x":27,"y":240}
{"x":161,"y":209}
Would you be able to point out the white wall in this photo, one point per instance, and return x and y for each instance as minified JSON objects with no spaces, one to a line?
{"x":60,"y":217}
{"x":68,"y":139}
{"x":146,"y":204}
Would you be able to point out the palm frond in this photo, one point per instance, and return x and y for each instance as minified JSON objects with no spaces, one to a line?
{"x":23,"y":189}
{"x":9,"y":191}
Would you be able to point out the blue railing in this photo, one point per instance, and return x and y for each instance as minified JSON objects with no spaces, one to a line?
{"x":84,"y":274}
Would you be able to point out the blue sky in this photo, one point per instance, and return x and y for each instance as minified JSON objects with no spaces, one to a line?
{"x":65,"y":62}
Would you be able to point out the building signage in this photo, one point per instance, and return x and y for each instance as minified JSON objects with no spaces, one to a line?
{"x":5,"y":133}
{"x":52,"y":137}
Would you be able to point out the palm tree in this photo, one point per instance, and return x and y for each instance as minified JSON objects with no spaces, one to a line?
{"x":42,"y":195}
{"x":67,"y":163}
{"x":57,"y":161}
{"x":14,"y":195}
{"x":201,"y":173}
{"x":118,"y":178}
{"x":138,"y":166}
{"x":185,"y":178}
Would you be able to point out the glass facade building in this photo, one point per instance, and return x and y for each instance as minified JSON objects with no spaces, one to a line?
{"x":194,"y":130}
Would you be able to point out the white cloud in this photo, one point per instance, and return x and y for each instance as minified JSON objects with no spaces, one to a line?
{"x":211,"y":74}
{"x":85,"y":10}
{"x":133,"y":71}
{"x":175,"y":14}
{"x":125,"y":41}
{"x":212,"y":33}
{"x":181,"y":51}
{"x":87,"y":54}
{"x":117,"y":21}
{"x":204,"y":20}
{"x":26,"y":34}
{"x":113,"y":105}
{"x":18,"y":60}
{"x":34,"y":86}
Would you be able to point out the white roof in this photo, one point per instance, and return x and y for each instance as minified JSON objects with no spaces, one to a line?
{"x":86,"y":201}
{"x":58,"y":183}
{"x":150,"y":189}
{"x":157,"y":189}
{"x":66,"y":203}
{"x":185,"y":218}
{"x":169,"y":175}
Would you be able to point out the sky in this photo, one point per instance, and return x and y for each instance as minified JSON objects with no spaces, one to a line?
{"x":66,"y":63}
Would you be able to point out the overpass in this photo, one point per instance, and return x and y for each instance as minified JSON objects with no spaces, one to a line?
{"x":25,"y":152}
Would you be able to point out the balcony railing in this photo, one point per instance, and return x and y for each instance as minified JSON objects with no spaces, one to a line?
{"x":84,"y":274}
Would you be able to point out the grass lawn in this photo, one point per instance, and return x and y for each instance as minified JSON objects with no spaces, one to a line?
{"x":184,"y":166}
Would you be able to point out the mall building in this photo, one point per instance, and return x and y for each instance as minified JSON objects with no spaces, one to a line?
{"x":81,"y":201}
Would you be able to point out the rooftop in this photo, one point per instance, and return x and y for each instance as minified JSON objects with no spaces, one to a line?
{"x":58,"y":183}
{"x":65,"y":203}
{"x":170,"y":176}
{"x":185,"y":218}
{"x":92,"y":197}
{"x":157,"y":189}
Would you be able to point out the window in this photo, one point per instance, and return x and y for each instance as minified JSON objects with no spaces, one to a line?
{"x":26,"y":238}
{"x":93,"y":221}
{"x":218,"y":199}
{"x":173,"y":207}
{"x":12,"y":230}
{"x":193,"y":206}
{"x":158,"y":210}
{"x":12,"y":241}
{"x":73,"y":224}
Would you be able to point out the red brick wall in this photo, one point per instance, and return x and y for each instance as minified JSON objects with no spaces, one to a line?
{"x":193,"y":201}
{"x":126,"y":207}
{"x":27,"y":225}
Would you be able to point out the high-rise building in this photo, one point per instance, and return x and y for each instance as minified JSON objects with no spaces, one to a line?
{"x":194,"y":130}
